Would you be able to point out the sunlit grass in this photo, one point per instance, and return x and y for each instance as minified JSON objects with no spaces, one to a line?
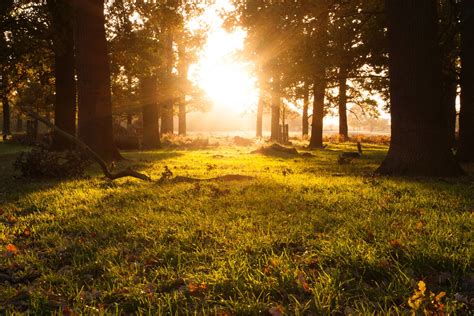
{"x":306,"y":236}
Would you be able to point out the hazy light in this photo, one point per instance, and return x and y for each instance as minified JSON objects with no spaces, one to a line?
{"x":227,"y":80}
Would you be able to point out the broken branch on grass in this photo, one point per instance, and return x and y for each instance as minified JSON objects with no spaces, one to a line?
{"x":91,"y":153}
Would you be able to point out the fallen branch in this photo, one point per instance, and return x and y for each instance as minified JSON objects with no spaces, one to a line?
{"x":86,"y":149}
{"x":225,"y":178}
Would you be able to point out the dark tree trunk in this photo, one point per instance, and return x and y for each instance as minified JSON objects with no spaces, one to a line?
{"x":167,"y":105}
{"x":466,"y":115}
{"x":129,"y":120}
{"x":305,"y":122}
{"x":182,"y":117}
{"x":93,"y":72}
{"x":6,"y":114}
{"x":276,"y":100}
{"x":63,"y":44}
{"x":319,"y":90}
{"x":343,"y":128}
{"x":419,"y":143}
{"x":319,"y":84}
{"x":19,"y":124}
{"x":260,"y":117}
{"x":151,"y":131}
{"x":167,"y":117}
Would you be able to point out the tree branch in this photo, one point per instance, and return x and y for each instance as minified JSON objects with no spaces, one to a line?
{"x":86,"y":149}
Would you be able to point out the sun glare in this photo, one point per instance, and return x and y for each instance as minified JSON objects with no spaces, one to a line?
{"x":227,"y":80}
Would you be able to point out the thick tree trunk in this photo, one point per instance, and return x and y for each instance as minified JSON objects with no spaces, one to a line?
{"x":305,"y":122}
{"x":93,"y":72}
{"x":167,"y":126}
{"x":151,"y":131}
{"x":343,"y":128}
{"x":276,"y":100}
{"x":466,"y":115}
{"x":319,"y":84}
{"x":419,"y":143}
{"x":65,"y":83}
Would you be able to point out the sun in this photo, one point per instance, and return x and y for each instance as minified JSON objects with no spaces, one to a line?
{"x":227,"y":80}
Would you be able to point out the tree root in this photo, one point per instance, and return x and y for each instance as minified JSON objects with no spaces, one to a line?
{"x":87,"y":150}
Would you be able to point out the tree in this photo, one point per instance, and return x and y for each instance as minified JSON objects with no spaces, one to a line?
{"x":151,"y":129}
{"x":65,"y":83}
{"x":466,"y":115}
{"x":93,"y":73}
{"x":419,"y":143}
{"x":319,"y":73}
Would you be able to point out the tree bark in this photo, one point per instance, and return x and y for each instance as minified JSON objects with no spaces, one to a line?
{"x":19,"y":124}
{"x":182,"y":117}
{"x":343,"y":128}
{"x":151,"y":130}
{"x":305,"y":122}
{"x":466,"y":115}
{"x":93,"y":72}
{"x":276,"y":100}
{"x":6,"y":114}
{"x":65,"y":83}
{"x":167,"y":126}
{"x":419,"y":143}
{"x":260,"y":116}
{"x":319,"y":79}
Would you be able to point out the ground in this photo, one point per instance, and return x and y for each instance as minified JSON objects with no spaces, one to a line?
{"x":305,"y":236}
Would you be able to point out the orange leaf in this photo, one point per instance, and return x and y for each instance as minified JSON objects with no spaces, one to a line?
{"x":276,"y":310}
{"x":12,"y":249}
{"x":27,"y":232}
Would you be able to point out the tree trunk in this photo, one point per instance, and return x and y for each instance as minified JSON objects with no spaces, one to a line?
{"x":276,"y":100}
{"x":93,"y":72}
{"x":19,"y":124}
{"x":182,"y":117}
{"x":129,"y":120}
{"x":466,"y":115}
{"x":449,"y":93}
{"x":419,"y":143}
{"x":167,"y":105}
{"x":319,"y":84}
{"x":305,"y":122}
{"x":343,"y":129}
{"x":6,"y":114}
{"x":151,"y":131}
{"x":63,"y":44}
{"x":260,"y":116}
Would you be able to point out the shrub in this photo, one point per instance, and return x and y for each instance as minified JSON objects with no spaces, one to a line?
{"x":39,"y":163}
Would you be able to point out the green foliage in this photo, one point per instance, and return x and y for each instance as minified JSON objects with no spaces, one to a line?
{"x":306,"y":236}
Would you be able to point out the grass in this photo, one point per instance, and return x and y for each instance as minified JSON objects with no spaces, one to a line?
{"x":307,"y":236}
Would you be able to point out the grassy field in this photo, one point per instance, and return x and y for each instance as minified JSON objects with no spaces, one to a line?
{"x":305,"y":236}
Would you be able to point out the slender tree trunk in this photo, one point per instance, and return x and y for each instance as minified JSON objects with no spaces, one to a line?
{"x":260,"y":116}
{"x":449,"y":93}
{"x":419,"y":143}
{"x":19,"y":124}
{"x":276,"y":102}
{"x":129,"y":120}
{"x":182,"y":117}
{"x":151,"y":131}
{"x":466,"y":115}
{"x":343,"y":128}
{"x":6,"y":114}
{"x":93,"y":72}
{"x":305,"y":122}
{"x":63,"y":44}
{"x":319,"y":84}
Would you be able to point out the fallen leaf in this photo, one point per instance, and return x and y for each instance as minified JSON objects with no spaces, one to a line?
{"x":26,"y":232}
{"x":276,"y":310}
{"x":12,"y":249}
